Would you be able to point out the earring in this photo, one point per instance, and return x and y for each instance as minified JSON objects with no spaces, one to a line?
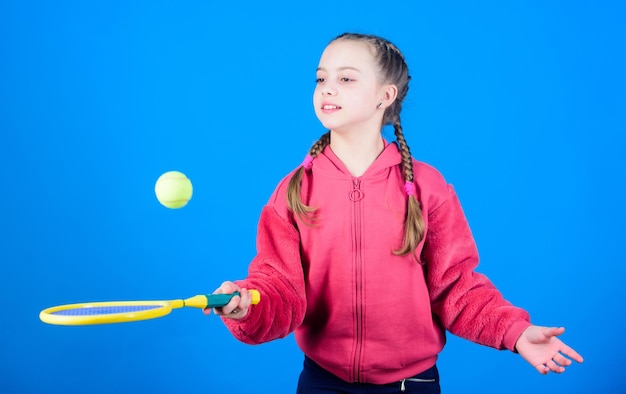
{"x":379,"y":105}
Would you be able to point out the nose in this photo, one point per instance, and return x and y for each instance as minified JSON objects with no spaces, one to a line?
{"x":328,"y":90}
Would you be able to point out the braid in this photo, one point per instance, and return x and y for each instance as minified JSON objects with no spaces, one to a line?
{"x":320,"y":144}
{"x":294,"y":199}
{"x":407,"y":158}
{"x":414,"y":227}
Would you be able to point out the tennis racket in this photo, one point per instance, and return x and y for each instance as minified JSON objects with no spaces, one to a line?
{"x":127,"y":311}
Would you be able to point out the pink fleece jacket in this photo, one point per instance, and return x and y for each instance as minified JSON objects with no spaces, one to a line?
{"x":357,"y":309}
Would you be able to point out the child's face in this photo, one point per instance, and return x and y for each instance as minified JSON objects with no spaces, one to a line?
{"x":348,"y":87}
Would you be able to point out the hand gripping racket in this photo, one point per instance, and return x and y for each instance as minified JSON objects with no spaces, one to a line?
{"x":127,"y":311}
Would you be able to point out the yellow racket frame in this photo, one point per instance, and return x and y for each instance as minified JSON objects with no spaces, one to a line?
{"x":161,"y":308}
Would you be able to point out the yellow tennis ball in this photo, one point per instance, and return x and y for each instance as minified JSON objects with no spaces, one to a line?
{"x":173,"y":189}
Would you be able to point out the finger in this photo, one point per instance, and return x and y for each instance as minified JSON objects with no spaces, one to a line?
{"x":228,"y":308}
{"x":561,"y":360}
{"x":246,"y":299}
{"x":231,"y":306}
{"x":571,"y":353}
{"x":220,"y":290}
{"x":542,"y":369}
{"x":241,"y":309}
{"x":206,"y":311}
{"x":554,"y":367}
{"x":226,"y":287}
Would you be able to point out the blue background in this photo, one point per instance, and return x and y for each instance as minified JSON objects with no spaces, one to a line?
{"x":521,"y":105}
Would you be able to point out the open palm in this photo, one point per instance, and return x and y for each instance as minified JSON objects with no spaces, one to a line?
{"x":543,"y":350}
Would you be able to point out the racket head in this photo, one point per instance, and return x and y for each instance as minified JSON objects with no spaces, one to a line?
{"x":104,"y":312}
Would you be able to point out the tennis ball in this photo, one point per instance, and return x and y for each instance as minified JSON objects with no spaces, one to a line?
{"x":173,"y":189}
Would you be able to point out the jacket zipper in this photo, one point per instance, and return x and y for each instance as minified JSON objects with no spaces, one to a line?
{"x":356,"y":195}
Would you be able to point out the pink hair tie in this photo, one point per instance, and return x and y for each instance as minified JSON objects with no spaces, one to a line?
{"x":409,"y":188}
{"x":308,"y":162}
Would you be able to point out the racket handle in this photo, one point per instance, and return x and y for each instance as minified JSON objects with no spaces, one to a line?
{"x":218,"y":300}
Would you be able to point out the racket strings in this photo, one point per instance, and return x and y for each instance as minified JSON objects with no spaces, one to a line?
{"x":105,"y":310}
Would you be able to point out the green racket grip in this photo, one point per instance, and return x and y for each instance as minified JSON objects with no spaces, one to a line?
{"x":218,"y":300}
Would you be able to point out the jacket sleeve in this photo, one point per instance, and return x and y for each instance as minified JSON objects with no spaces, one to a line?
{"x":466,"y":302}
{"x":276,"y":272}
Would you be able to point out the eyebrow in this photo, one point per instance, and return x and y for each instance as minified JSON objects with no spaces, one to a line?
{"x":341,"y":69}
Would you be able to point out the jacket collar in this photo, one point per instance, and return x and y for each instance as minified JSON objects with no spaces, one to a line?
{"x":329,"y":164}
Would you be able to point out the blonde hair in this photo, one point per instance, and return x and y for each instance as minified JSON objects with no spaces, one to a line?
{"x":395,"y":71}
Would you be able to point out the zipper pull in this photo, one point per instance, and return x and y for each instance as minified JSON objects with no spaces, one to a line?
{"x":356,"y":194}
{"x":402,"y":385}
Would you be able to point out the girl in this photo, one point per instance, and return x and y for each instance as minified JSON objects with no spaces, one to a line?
{"x":365,"y":252}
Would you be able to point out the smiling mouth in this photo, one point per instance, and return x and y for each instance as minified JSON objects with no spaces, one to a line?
{"x":330,"y":107}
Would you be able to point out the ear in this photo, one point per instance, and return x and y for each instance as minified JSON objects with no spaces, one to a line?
{"x":389,"y":93}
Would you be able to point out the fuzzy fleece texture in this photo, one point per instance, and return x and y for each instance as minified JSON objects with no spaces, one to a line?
{"x":358,"y":310}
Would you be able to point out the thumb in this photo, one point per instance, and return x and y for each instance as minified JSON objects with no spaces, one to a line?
{"x":552,"y":331}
